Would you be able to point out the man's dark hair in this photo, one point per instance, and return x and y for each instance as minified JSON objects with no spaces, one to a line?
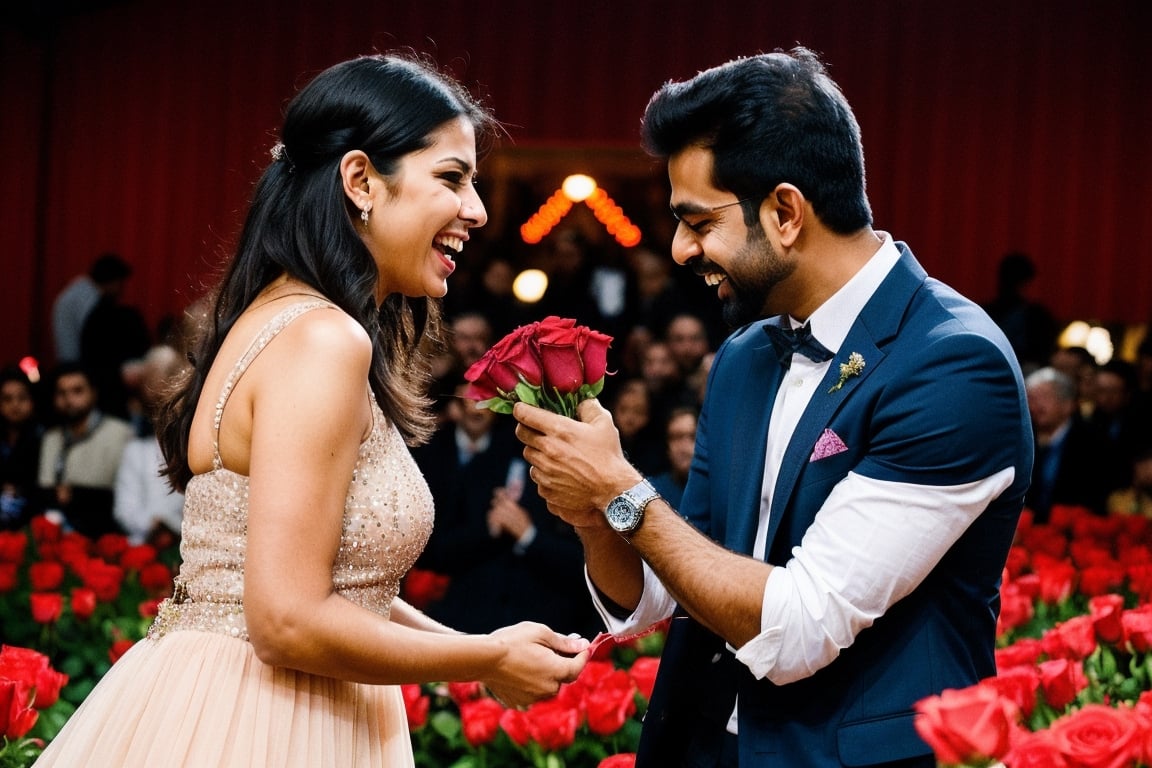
{"x":767,"y":120}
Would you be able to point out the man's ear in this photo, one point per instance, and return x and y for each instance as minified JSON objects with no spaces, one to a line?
{"x":355,"y":172}
{"x":783,"y":211}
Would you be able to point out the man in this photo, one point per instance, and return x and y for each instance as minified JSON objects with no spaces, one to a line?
{"x":80,"y":457}
{"x":847,"y":517}
{"x":1074,"y":462}
{"x":76,"y":301}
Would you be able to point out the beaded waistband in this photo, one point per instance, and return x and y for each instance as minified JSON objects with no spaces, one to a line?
{"x":223,"y":618}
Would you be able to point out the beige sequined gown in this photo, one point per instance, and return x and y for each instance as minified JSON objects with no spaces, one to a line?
{"x":193,"y":692}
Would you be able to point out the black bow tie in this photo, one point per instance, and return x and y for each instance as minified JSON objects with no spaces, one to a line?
{"x":787,"y":341}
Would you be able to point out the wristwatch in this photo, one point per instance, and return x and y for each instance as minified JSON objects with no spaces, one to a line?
{"x":625,"y":512}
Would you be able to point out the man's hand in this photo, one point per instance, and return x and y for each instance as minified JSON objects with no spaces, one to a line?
{"x":578,"y":466}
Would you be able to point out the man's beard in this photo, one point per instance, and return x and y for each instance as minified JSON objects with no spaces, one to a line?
{"x":764,"y":270}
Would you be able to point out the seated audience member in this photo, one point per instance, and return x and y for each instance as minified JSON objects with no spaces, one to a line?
{"x":1028,"y":324}
{"x":687,"y":339}
{"x":641,"y":434}
{"x":79,"y":458}
{"x":1072,"y":456}
{"x":114,"y":334}
{"x":681,"y":441}
{"x":1078,"y":364}
{"x":507,"y":557}
{"x":145,"y":505}
{"x":1136,"y":499}
{"x":20,"y":435}
{"x":1114,"y":413}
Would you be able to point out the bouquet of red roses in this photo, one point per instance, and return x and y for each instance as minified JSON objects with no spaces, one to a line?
{"x":554,"y":364}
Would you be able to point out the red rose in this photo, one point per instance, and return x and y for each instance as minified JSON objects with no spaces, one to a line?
{"x":74,"y":551}
{"x":16,"y":713}
{"x":480,"y":720}
{"x":1057,"y":582}
{"x":45,"y":576}
{"x":46,"y":606}
{"x":1105,"y":611}
{"x":1034,"y":750}
{"x":1017,"y":562}
{"x":643,"y":673}
{"x":416,"y":705}
{"x":423,"y":587}
{"x":1137,"y":625}
{"x":12,"y":546}
{"x":136,"y":557}
{"x":1140,"y":581}
{"x":552,"y":724}
{"x":1024,"y":651}
{"x":511,"y":360}
{"x":624,"y":760}
{"x":33,"y":668}
{"x":1018,"y":685}
{"x":1061,"y":680}
{"x":1099,"y":736}
{"x":150,"y":609}
{"x":156,"y":578}
{"x":1016,"y":608}
{"x":1088,"y":552}
{"x":462,"y":692}
{"x":571,"y":356}
{"x":966,"y":725}
{"x":610,"y":703}
{"x":119,"y":648}
{"x":1072,"y":639}
{"x":9,"y":577}
{"x":102,"y":578}
{"x":1101,"y":578}
{"x":515,"y":723}
{"x":44,"y":530}
{"x":83,"y":603}
{"x":111,"y":546}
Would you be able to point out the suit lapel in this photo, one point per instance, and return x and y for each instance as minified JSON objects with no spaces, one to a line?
{"x":876,"y":325}
{"x":750,"y":446}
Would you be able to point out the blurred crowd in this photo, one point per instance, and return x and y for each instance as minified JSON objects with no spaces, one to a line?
{"x":79,"y":444}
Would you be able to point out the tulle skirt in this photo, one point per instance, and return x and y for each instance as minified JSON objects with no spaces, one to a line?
{"x":203,"y":700}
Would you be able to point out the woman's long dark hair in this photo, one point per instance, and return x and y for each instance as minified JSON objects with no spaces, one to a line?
{"x":301,"y":223}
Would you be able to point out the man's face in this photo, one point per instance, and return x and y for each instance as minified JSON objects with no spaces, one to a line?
{"x":713,"y":238}
{"x":471,"y":337}
{"x":1047,"y":409}
{"x":75,"y":398}
{"x":1110,"y":392}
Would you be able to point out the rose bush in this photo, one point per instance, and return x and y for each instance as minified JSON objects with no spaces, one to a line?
{"x":76,"y":605}
{"x":28,"y":684}
{"x":553,"y":363}
{"x":1073,"y":687}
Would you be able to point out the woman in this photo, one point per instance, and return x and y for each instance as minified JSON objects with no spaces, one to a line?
{"x":20,"y":434}
{"x":284,"y":640}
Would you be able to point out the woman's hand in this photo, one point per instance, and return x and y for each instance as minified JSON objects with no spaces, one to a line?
{"x":536,"y":662}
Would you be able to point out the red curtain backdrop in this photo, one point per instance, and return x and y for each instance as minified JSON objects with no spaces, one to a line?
{"x":139,"y":127}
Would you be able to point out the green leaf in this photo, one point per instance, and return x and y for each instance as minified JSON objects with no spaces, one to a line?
{"x":528,"y":393}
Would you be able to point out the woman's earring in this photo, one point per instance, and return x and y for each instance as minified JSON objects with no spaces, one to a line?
{"x":364,"y":215}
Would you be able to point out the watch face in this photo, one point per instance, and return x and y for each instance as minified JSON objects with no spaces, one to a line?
{"x":622,"y":515}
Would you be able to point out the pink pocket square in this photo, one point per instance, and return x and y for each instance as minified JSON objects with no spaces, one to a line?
{"x":829,"y":444}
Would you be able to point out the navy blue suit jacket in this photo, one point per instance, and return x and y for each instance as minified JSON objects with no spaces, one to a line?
{"x":940,"y":401}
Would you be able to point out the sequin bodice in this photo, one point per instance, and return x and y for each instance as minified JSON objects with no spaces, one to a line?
{"x":387,"y":521}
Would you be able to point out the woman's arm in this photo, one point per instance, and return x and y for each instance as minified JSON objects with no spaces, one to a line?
{"x":309,"y":409}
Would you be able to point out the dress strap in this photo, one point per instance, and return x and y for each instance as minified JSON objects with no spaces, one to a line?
{"x":262,"y":340}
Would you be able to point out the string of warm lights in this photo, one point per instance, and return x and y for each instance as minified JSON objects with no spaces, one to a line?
{"x":575,"y":189}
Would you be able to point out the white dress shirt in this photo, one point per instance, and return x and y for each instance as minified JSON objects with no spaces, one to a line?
{"x":870,"y":544}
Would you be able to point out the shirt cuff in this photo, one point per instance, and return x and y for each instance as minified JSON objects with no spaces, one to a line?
{"x":525,"y":541}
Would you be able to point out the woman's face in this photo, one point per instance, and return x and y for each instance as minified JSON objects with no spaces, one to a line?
{"x":421,"y":215}
{"x":15,"y":402}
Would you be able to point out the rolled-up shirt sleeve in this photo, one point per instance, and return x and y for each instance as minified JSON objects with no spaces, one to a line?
{"x":655,"y":605}
{"x":871,"y":544}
